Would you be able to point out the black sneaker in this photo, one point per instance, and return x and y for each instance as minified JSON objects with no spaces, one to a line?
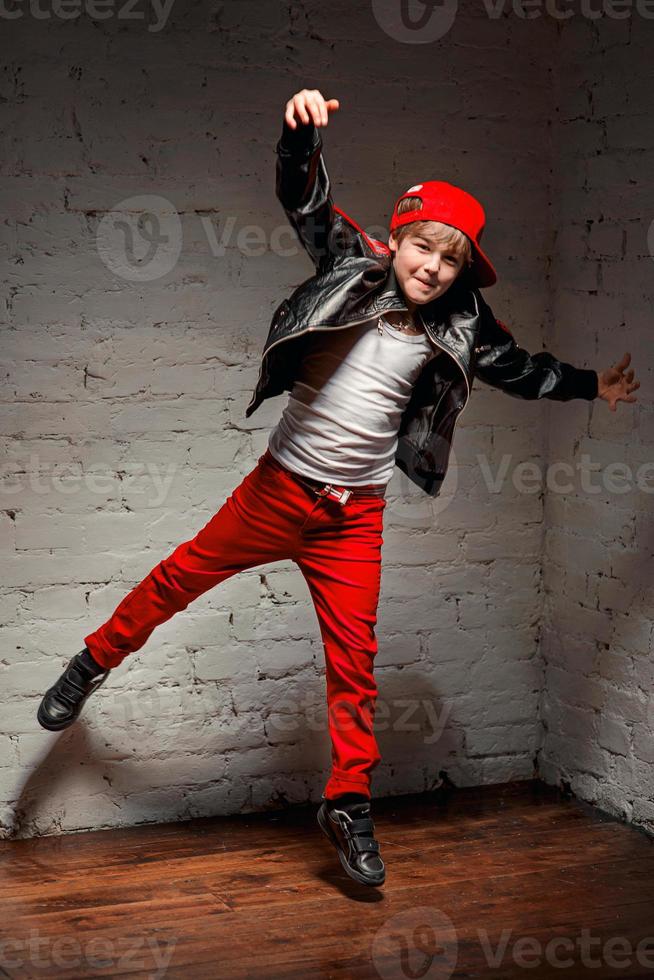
{"x":63,"y":701}
{"x":352,"y":831}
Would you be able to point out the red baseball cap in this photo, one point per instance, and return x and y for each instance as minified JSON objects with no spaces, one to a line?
{"x":451,"y":205}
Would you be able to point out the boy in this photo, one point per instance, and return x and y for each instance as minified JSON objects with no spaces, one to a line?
{"x":378,"y":350}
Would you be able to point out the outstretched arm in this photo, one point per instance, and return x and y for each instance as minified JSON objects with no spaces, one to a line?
{"x":302,"y":182}
{"x":505,"y":365}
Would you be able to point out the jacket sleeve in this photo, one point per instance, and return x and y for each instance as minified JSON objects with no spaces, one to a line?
{"x":303,"y":188}
{"x":503,"y":364}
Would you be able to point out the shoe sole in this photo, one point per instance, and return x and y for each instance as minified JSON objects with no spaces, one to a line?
{"x":53,"y":726}
{"x":356,"y":875}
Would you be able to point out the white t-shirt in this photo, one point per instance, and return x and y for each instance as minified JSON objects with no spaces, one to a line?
{"x":343,"y":414}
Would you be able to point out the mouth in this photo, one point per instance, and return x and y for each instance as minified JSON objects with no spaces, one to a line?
{"x":426,"y":285}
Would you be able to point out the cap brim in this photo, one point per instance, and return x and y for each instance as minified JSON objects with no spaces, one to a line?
{"x":482,"y":267}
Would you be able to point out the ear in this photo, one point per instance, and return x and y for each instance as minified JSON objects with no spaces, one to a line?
{"x":392,"y":242}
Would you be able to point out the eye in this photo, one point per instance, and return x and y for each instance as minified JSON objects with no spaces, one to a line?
{"x":423,"y":248}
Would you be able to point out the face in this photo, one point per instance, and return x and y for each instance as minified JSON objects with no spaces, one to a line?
{"x":424,"y":269}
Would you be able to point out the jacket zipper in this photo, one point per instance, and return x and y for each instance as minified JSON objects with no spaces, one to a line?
{"x":460,"y":364}
{"x":353,"y":323}
{"x":456,"y":360}
{"x":300,"y":333}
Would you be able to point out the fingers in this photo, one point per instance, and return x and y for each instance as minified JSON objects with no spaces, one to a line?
{"x":288,"y":115}
{"x":624,"y":398}
{"x":296,"y":107}
{"x":319,"y":108}
{"x":621,"y":365}
{"x":300,"y":102}
{"x":316,"y":106}
{"x":309,"y":106}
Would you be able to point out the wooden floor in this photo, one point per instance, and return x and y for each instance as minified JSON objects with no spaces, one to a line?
{"x":508,"y":881}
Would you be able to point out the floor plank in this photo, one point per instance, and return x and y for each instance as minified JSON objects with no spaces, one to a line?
{"x":479,"y":882}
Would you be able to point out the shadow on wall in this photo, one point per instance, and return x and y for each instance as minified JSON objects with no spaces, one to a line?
{"x":436,"y":726}
{"x":57,"y":776}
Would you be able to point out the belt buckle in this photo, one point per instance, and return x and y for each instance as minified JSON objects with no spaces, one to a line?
{"x":338,"y":493}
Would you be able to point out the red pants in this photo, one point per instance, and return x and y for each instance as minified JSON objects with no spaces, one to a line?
{"x":271,"y":516}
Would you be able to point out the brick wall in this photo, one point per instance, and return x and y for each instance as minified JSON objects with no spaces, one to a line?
{"x":125,"y":382}
{"x":597,"y":627}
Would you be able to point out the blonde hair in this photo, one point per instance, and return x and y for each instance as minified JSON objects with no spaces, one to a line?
{"x":442,"y":234}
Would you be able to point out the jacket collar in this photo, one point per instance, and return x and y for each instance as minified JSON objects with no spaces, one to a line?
{"x":435,"y":313}
{"x":391,"y":288}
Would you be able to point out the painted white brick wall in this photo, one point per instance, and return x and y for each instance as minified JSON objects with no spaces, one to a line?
{"x":597,"y":638}
{"x":123,"y":426}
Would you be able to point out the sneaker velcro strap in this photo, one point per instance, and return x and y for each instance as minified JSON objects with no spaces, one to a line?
{"x":362,"y":844}
{"x":75,"y":678}
{"x":68,"y":689}
{"x":361,"y":825}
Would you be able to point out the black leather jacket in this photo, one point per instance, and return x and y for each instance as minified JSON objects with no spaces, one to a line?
{"x":355,"y":281}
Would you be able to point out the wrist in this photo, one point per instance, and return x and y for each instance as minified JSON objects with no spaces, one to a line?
{"x":589,"y":383}
{"x":303,"y":137}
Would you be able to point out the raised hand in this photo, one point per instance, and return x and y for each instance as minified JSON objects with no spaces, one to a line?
{"x":309,"y":106}
{"x":613,"y":385}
